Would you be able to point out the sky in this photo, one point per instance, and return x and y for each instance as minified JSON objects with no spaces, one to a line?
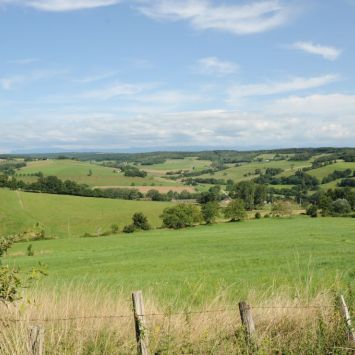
{"x":120,"y":75}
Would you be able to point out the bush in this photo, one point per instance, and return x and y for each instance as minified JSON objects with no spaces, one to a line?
{"x":140,"y":221}
{"x":130,"y":228}
{"x":257,"y":215}
{"x":30,"y":251}
{"x":312,"y":211}
{"x":114,"y":228}
{"x":181,"y":216}
{"x":267,"y":215}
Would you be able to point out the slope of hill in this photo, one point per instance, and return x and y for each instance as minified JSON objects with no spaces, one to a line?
{"x":66,"y":216}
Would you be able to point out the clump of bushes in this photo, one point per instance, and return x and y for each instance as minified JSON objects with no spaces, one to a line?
{"x":139,"y":222}
{"x":257,"y":215}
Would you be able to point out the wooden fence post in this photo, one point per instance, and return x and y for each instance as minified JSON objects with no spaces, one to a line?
{"x":36,"y":340}
{"x":347,"y":318}
{"x":247,"y":320}
{"x":139,"y":322}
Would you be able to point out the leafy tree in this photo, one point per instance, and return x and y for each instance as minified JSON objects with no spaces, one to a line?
{"x":235,"y":211}
{"x":210,"y":211}
{"x":133,"y":171}
{"x":213,"y":194}
{"x":181,"y":216}
{"x":245,"y":191}
{"x":260,"y":195}
{"x":281,"y":208}
{"x":341,"y":206}
{"x":325,"y":204}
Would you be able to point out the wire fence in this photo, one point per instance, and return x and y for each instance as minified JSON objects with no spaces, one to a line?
{"x":167,"y":314}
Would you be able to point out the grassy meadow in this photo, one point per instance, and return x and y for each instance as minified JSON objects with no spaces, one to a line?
{"x":66,"y":169}
{"x":178,"y":164}
{"x":69,"y":216}
{"x":195,"y":264}
{"x":324,"y":171}
{"x":237,"y":173}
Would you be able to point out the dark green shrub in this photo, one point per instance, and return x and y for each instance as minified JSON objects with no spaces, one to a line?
{"x":130,"y":228}
{"x":257,"y":215}
{"x":30,"y":251}
{"x":312,"y":211}
{"x":140,"y":221}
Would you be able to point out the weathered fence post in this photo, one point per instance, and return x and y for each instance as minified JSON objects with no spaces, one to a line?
{"x":347,"y":318}
{"x":140,"y":325}
{"x":36,"y":340}
{"x":247,"y":320}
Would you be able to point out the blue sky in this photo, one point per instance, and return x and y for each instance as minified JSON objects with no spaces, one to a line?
{"x":146,"y":74}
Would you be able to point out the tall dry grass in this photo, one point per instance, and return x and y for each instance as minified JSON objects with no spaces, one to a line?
{"x":77,"y":321}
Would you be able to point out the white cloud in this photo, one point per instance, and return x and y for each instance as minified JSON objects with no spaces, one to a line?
{"x":327,"y":52}
{"x":326,"y":105}
{"x":271,"y":88}
{"x":61,"y":5}
{"x":209,"y":128}
{"x":214,"y":65}
{"x":253,"y":17}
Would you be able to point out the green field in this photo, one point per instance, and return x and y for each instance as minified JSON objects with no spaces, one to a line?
{"x":78,"y":171}
{"x":63,"y":216}
{"x":237,"y":173}
{"x":324,"y":171}
{"x":178,"y":164}
{"x":260,"y":255}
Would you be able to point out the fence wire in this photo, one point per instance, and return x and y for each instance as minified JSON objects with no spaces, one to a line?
{"x":168,"y":314}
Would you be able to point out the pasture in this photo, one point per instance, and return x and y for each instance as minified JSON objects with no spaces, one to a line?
{"x":178,"y":164}
{"x":69,"y":216}
{"x":88,"y":173}
{"x":246,"y":171}
{"x":324,"y":171}
{"x":293,"y":254}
